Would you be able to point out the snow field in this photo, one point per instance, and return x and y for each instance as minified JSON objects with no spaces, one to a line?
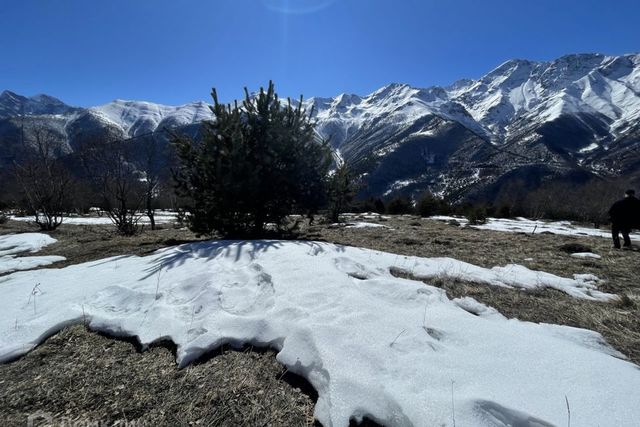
{"x":163,"y":217}
{"x":396,"y":350}
{"x":13,"y":244}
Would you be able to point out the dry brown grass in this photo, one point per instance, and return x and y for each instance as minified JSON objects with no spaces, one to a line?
{"x":91,"y":242}
{"x":80,"y":376}
{"x":87,"y":376}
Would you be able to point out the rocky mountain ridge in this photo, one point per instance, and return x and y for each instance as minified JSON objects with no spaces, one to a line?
{"x":572,"y":118}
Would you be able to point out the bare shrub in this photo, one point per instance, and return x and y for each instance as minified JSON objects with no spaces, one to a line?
{"x":45,"y":182}
{"x":120,"y":187}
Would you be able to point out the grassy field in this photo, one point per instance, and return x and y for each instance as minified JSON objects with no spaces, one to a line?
{"x":85,"y":376}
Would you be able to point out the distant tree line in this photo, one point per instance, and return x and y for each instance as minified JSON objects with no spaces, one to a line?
{"x":586,"y":202}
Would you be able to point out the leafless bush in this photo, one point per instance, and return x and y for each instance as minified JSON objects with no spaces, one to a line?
{"x":45,"y":182}
{"x":153,"y":165}
{"x":120,"y":186}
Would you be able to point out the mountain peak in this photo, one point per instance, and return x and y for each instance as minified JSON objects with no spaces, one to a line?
{"x":389,"y":90}
{"x":13,"y":104}
{"x":581,"y":57}
{"x":9,"y":96}
{"x":392,"y":87}
{"x":508,"y":68}
{"x":6,"y":93}
{"x":518,"y":92}
{"x":344,"y":100}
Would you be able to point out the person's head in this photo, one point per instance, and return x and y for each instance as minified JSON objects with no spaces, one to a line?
{"x":630,"y":193}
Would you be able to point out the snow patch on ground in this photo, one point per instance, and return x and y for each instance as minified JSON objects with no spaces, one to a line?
{"x":365,"y":215}
{"x":13,"y":244}
{"x":511,"y":275}
{"x":364,"y":225}
{"x":166,"y":217}
{"x":371,"y":344}
{"x":586,"y":255}
{"x":530,"y":226}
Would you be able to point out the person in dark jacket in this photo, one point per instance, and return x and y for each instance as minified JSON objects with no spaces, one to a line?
{"x":625,"y":215}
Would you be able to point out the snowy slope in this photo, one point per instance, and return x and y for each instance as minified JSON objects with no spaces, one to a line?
{"x":130,"y":117}
{"x":576,"y":110}
{"x":512,"y":96}
{"x":395,"y":105}
{"x":12,"y":104}
{"x":516,"y":93}
{"x":371,"y":344}
{"x":136,"y":117}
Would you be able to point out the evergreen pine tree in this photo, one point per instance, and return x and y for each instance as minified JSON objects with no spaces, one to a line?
{"x":256,"y":164}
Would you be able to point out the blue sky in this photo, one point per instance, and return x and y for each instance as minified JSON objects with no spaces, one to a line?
{"x":169,"y":51}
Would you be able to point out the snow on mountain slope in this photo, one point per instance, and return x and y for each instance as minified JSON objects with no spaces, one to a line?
{"x":593,"y":84}
{"x":490,"y":106}
{"x":579,"y":109}
{"x":395,"y":105}
{"x":12,"y":104}
{"x":562,"y":112}
{"x":136,"y":117}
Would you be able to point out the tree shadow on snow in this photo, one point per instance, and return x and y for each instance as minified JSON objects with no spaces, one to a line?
{"x":224,"y":249}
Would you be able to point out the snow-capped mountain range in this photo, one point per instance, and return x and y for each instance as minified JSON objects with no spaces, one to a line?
{"x":576,"y":115}
{"x":515,"y":92}
{"x":130,"y":117}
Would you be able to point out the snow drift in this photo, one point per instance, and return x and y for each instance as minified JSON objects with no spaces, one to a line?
{"x":13,"y":244}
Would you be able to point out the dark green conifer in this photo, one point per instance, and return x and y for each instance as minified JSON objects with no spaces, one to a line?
{"x":256,"y":164}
